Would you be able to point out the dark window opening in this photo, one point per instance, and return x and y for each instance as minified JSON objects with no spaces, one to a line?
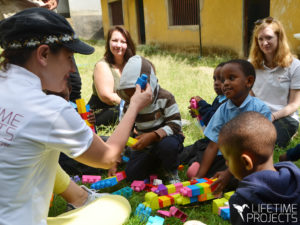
{"x":116,"y":13}
{"x":184,"y":12}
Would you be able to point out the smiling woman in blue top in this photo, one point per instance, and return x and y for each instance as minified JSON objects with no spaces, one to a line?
{"x":277,"y":77}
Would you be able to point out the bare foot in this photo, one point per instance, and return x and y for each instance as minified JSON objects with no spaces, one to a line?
{"x":193,"y":170}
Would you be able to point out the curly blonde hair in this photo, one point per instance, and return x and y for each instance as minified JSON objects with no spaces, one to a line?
{"x":283,"y":56}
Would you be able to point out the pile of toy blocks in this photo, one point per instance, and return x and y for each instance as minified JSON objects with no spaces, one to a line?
{"x":182,"y":193}
{"x":220,"y":206}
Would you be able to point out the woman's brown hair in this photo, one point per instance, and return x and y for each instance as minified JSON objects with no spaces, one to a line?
{"x":130,"y":51}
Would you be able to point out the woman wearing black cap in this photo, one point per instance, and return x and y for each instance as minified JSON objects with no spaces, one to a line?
{"x":34,"y":128}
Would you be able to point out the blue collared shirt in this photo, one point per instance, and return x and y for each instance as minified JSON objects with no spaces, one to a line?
{"x":228,"y":111}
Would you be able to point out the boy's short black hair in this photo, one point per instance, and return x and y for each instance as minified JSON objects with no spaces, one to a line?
{"x":251,"y":132}
{"x":245,"y":66}
{"x":221,"y":64}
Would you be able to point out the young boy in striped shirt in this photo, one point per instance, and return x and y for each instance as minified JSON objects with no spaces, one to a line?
{"x":158,"y":125}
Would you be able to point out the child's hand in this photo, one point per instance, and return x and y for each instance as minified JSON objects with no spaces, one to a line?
{"x":141,"y":98}
{"x":197,"y":98}
{"x":222,"y":181}
{"x":91,"y":117}
{"x":113,"y":170}
{"x":50,"y":4}
{"x":144,"y":140}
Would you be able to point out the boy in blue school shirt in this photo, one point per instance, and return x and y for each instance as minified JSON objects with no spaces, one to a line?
{"x":237,"y":77}
{"x":267,"y":193}
{"x":191,"y":153}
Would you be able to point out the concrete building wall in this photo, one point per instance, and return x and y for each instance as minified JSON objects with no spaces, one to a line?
{"x":158,"y":29}
{"x":86,"y":17}
{"x":287,"y":12}
{"x":222,"y":24}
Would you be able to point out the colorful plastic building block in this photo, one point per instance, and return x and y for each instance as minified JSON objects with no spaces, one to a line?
{"x":152,"y":178}
{"x":125,"y":159}
{"x":121,"y":175}
{"x":225,"y":213}
{"x":108,"y":182}
{"x":143,"y":212}
{"x":157,"y":182}
{"x":178,"y":213}
{"x":194,"y":108}
{"x":90,"y":179}
{"x":142,"y":81}
{"x":221,"y":206}
{"x":161,"y":190}
{"x":125,"y":192}
{"x":218,"y":203}
{"x":163,"y":213}
{"x":131,"y":141}
{"x":138,"y":185}
{"x":76,"y":178}
{"x":156,"y":220}
{"x":84,"y":111}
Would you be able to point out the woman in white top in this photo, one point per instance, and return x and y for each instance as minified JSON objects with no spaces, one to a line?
{"x":35,"y":128}
{"x":277,"y":77}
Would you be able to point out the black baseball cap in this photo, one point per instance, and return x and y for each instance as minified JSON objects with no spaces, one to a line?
{"x":35,"y":26}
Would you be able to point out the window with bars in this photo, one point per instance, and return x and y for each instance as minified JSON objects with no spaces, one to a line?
{"x":116,"y":13}
{"x":183,"y":12}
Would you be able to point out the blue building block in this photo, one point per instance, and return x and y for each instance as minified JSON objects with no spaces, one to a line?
{"x":109,"y":182}
{"x":195,"y":190}
{"x":156,"y":220}
{"x":142,"y":81}
{"x":225,"y":213}
{"x":201,"y":180}
{"x":143,"y":212}
{"x":125,"y":159}
{"x":126,"y":192}
{"x":194,"y":199}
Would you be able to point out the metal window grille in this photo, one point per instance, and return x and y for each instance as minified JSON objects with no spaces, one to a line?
{"x":116,"y":13}
{"x":184,"y":12}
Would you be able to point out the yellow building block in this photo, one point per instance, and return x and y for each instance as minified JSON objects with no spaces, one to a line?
{"x":218,"y":203}
{"x":206,"y":187}
{"x":88,"y":123}
{"x":152,"y":200}
{"x":209,"y":196}
{"x":171,"y":188}
{"x":80,"y":105}
{"x":227,"y":195}
{"x":186,"y":183}
{"x":176,"y":198}
{"x":131,"y":141}
{"x":183,"y":200}
{"x":166,"y":200}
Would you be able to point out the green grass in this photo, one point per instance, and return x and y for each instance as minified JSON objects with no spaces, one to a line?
{"x":185,"y":75}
